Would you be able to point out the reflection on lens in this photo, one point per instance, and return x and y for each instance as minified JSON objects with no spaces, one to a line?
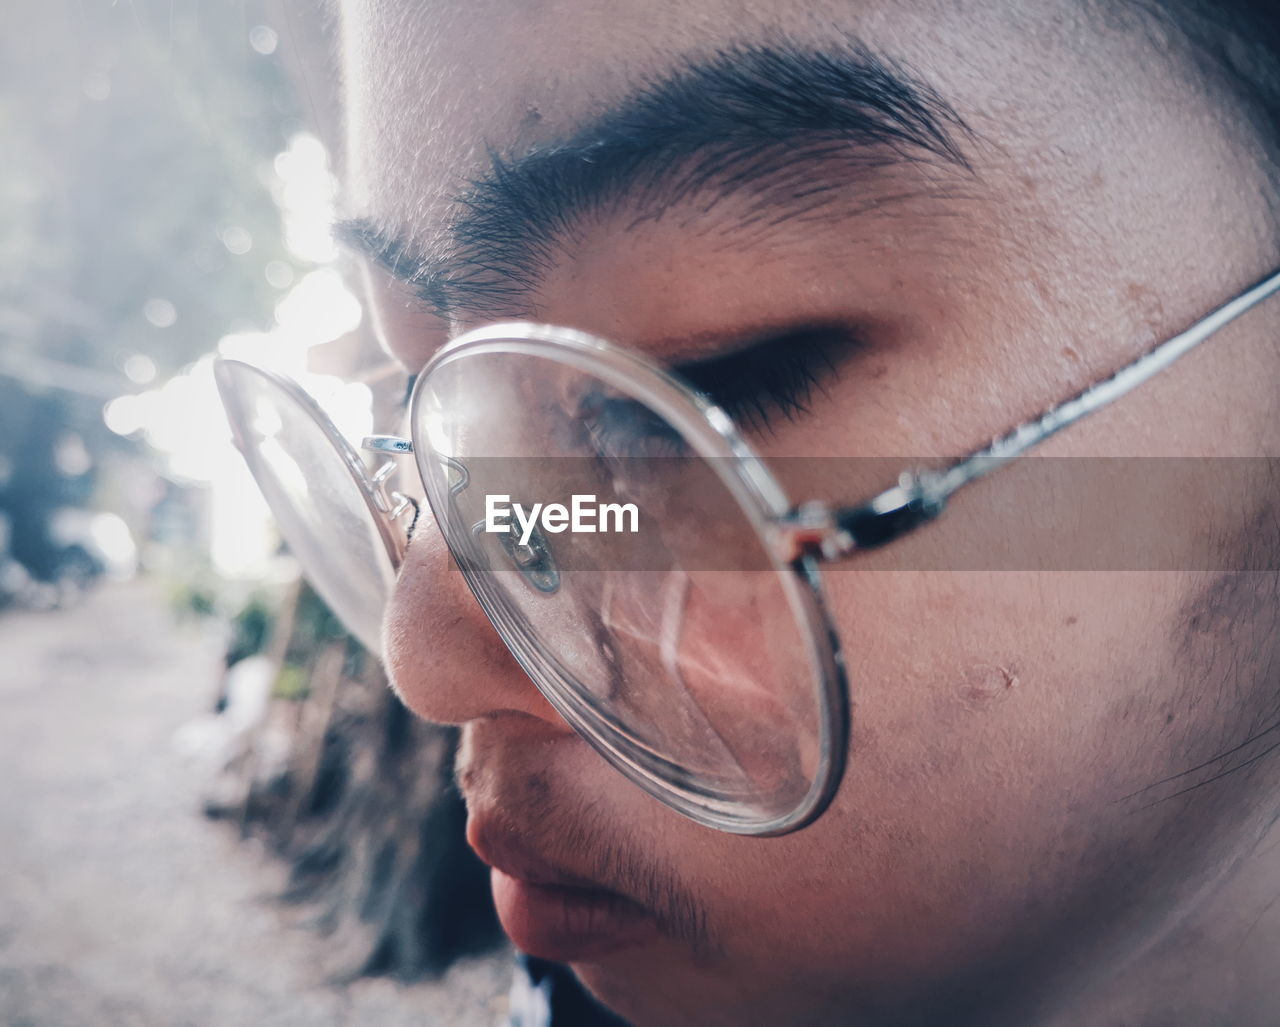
{"x":316,"y":493}
{"x":681,"y":650}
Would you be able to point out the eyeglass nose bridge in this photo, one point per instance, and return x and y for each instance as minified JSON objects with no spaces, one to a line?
{"x":392,"y":503}
{"x":533,"y":559}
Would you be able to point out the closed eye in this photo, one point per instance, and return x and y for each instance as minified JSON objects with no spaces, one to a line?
{"x":777,"y":376}
{"x":771,"y":377}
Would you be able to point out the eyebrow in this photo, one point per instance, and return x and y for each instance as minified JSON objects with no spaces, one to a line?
{"x":751,"y":119}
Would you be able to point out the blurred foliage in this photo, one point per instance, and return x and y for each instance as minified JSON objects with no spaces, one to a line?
{"x":251,"y":628}
{"x":194,"y":591}
{"x":137,"y":133}
{"x":315,"y":623}
{"x":292,"y":683}
{"x":137,"y":218}
{"x":314,"y":628}
{"x":193,"y":599}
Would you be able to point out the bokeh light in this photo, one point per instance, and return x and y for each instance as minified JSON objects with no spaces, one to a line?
{"x":182,"y":419}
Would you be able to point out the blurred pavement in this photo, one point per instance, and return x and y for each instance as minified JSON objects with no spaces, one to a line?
{"x":119,"y":902}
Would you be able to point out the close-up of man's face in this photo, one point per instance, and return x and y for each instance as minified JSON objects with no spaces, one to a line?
{"x":927,"y":223}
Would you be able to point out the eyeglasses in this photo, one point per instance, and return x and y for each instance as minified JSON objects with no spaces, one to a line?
{"x":694,"y":653}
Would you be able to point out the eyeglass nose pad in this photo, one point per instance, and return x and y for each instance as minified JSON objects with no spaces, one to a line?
{"x":533,"y":559}
{"x":392,"y":503}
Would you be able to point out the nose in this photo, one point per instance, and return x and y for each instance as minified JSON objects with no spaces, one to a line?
{"x":443,"y":656}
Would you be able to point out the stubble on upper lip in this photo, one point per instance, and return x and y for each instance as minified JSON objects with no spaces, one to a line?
{"x":500,"y":846}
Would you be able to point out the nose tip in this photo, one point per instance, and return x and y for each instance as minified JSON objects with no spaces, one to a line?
{"x":443,"y":656}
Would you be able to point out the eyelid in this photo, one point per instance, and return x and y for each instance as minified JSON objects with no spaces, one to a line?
{"x":776,"y":374}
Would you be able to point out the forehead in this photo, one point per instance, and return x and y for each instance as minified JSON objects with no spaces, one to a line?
{"x":434,"y":88}
{"x":1084,"y":136}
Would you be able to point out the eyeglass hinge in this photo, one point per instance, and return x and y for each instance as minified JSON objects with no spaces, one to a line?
{"x":816,"y":529}
{"x":918,"y":498}
{"x":809,"y":529}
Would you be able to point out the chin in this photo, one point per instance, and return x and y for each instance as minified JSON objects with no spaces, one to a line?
{"x":664,"y":985}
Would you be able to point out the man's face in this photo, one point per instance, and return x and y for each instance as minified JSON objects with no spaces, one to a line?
{"x":1078,"y":202}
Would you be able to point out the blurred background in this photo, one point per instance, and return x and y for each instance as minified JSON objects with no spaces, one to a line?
{"x":213,"y":809}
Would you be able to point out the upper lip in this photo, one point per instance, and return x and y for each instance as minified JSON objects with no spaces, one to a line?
{"x":499,"y":848}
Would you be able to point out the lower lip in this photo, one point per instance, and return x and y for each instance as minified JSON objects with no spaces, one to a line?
{"x":567,"y":925}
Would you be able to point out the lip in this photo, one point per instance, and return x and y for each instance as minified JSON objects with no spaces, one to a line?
{"x":567,"y":924}
{"x":550,"y":913}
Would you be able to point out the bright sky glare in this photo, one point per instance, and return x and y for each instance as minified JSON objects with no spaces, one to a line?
{"x":183,"y":419}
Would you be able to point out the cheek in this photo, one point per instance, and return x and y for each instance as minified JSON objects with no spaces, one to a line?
{"x":997,"y":719}
{"x":985,"y":698}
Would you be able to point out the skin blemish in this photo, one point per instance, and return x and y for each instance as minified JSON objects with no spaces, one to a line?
{"x":1070,"y":621}
{"x":1147,"y":306}
{"x":985,"y":684}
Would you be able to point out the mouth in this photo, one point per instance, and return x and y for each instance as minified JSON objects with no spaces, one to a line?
{"x":553,"y":914}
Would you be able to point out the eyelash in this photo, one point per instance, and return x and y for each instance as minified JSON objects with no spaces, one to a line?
{"x":778,"y":375}
{"x":619,"y":427}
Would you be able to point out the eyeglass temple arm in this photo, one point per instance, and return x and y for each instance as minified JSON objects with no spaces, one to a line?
{"x":920,"y":496}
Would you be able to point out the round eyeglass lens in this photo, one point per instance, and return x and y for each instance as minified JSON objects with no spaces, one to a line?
{"x":318,"y":491}
{"x":610,"y":533}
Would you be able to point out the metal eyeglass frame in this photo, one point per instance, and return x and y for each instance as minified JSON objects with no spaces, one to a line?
{"x":800,"y":537}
